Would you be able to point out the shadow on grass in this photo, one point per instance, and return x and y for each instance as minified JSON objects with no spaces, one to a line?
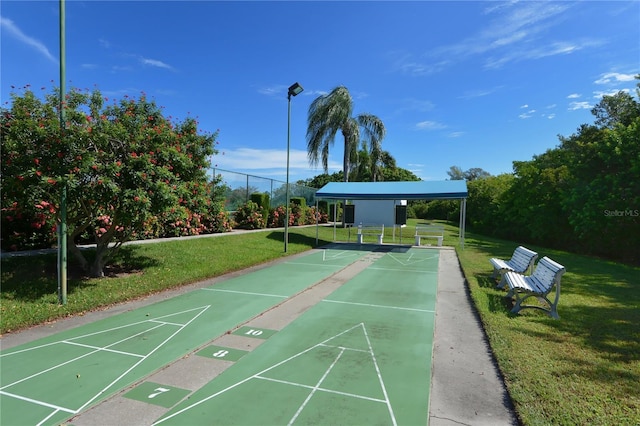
{"x":31,"y":278}
{"x":295,"y":237}
{"x":599,"y":311}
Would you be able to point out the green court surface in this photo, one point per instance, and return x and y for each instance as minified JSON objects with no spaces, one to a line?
{"x":362,"y":355}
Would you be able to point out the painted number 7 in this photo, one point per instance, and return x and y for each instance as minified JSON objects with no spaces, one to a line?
{"x":158,"y":391}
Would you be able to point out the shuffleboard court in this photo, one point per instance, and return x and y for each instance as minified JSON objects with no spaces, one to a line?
{"x":360,"y":356}
{"x":53,"y":379}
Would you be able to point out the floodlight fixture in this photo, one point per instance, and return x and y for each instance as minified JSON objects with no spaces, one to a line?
{"x":294,"y":90}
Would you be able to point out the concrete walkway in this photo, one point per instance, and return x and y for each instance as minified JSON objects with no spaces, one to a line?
{"x":466,"y":387}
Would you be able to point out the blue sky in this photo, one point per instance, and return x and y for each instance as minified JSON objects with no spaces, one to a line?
{"x":468,"y":84}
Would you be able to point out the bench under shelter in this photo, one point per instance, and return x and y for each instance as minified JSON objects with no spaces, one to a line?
{"x":344,"y":192}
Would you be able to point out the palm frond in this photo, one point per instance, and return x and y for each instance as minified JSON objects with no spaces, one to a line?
{"x":327,"y":114}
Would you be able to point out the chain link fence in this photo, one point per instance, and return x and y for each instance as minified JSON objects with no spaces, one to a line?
{"x":238,"y":188}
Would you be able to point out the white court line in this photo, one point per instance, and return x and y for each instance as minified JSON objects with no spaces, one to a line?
{"x":57,"y":408}
{"x":53,"y":413}
{"x":403,"y":262}
{"x":342,"y":347}
{"x":102,"y":349}
{"x":380,"y":306}
{"x":332,"y":265}
{"x":34,"y":401}
{"x":101,"y":332}
{"x":315,"y":388}
{"x":301,"y":385}
{"x":375,"y":363}
{"x":76,"y":358}
{"x":144,"y":358}
{"x":228,"y":388}
{"x":403,"y":270}
{"x":175,"y":324}
{"x":246,"y":292}
{"x":339,"y":255}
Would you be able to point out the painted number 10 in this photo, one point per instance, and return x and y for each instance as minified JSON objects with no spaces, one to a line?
{"x":253,"y":332}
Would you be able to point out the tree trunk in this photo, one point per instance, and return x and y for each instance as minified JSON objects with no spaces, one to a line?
{"x":97,"y":267}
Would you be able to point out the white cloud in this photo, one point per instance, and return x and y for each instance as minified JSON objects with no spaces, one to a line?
{"x":275,"y":90}
{"x":268,"y":161}
{"x":527,"y":114}
{"x":411,"y":104}
{"x":573,"y":106}
{"x":600,"y":94}
{"x":155,"y":63}
{"x":11,"y":28}
{"x":455,"y":134}
{"x":430,"y":125}
{"x":280,"y":90}
{"x":478,"y":93}
{"x":525,"y":106}
{"x":614,"y":77}
{"x":574,"y":96}
{"x":512,"y":33}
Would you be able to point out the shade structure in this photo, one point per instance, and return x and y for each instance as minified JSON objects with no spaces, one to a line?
{"x":412,"y":190}
{"x":418,"y":190}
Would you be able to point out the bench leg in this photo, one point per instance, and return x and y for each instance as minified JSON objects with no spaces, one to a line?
{"x":417,"y":240}
{"x":502,"y":282}
{"x":552,"y":311}
{"x":495,"y":273}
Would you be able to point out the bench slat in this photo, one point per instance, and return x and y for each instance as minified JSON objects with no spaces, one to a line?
{"x":429,"y":231}
{"x":521,"y":260}
{"x":544,"y":279}
{"x":370,"y":229}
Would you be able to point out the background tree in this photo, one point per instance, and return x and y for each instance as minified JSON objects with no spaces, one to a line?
{"x":331,"y":113}
{"x":456,"y":173}
{"x":583,"y":195}
{"x":131,"y":173}
{"x":620,"y":108}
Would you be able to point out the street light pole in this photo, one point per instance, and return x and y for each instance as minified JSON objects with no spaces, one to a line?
{"x":294,"y":90}
{"x":62,"y":226}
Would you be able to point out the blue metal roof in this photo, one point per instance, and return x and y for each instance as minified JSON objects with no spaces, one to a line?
{"x":419,"y":190}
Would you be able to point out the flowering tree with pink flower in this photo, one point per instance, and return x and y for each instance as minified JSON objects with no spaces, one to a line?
{"x":130,"y":173}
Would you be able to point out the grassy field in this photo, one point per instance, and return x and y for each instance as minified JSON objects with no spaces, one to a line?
{"x":583,"y":369}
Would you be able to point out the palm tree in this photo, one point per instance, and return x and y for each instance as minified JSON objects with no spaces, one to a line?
{"x":332,"y":112}
{"x":368,"y":164}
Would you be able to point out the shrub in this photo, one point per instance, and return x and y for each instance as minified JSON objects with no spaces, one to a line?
{"x":249,"y":216}
{"x":262,"y":200}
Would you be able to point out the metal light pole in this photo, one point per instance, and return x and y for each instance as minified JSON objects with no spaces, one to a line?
{"x":294,"y":90}
{"x":62,"y":226}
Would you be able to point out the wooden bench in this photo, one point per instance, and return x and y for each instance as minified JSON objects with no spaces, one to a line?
{"x":429,"y":231}
{"x":370,"y":229}
{"x":521,"y":261}
{"x":544,"y":279}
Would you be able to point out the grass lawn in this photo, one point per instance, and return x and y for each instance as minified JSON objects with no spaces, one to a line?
{"x":582,"y":369}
